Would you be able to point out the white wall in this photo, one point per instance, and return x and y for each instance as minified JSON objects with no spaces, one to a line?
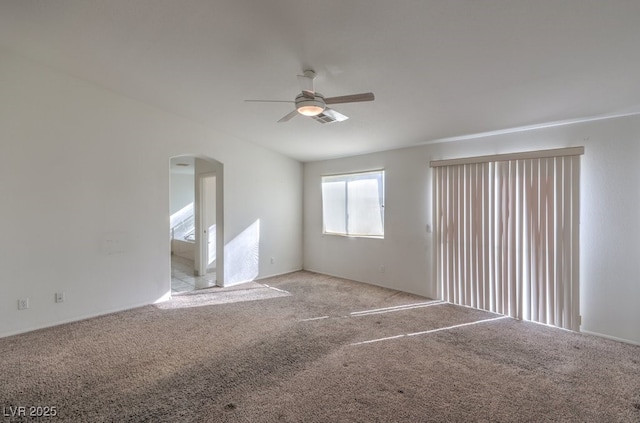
{"x":610,"y":227}
{"x":182,"y":193}
{"x":84,"y":183}
{"x":405,"y":250}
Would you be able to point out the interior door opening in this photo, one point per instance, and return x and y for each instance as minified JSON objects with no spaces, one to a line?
{"x":196,"y":224}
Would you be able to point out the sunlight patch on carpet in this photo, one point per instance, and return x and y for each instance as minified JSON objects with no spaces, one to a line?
{"x":311,"y":319}
{"x":378,"y":311}
{"x":222,"y":297}
{"x":396,"y":308}
{"x":430,"y":331}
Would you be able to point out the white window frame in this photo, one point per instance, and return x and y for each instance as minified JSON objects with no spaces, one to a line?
{"x":378,"y":174}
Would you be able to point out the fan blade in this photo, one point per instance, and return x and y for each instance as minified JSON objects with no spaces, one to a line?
{"x":353,"y":98}
{"x":288,"y":116}
{"x":306,"y":83}
{"x":269,"y":101}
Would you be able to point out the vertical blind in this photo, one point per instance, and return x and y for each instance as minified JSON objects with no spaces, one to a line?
{"x":507,"y":234}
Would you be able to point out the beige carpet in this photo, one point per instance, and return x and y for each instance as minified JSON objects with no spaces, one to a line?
{"x":306,"y":347}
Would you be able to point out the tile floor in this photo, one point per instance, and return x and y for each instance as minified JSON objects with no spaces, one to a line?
{"x":183,"y":279}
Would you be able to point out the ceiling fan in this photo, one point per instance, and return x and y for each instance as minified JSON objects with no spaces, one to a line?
{"x":313,"y":104}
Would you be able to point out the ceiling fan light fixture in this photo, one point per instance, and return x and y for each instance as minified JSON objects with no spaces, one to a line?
{"x":309,"y":106}
{"x":310,"y":103}
{"x":310,"y":110}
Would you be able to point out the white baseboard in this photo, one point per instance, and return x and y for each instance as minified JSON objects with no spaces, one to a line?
{"x":279,"y":274}
{"x":72,"y":320}
{"x":613,"y":338}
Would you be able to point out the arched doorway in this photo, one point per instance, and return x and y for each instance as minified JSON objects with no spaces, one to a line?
{"x":196,"y":223}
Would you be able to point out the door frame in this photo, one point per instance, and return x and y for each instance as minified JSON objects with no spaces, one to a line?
{"x":202,"y":201}
{"x":210,"y":165}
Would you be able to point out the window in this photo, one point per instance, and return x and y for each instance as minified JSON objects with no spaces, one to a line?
{"x":353,"y":204}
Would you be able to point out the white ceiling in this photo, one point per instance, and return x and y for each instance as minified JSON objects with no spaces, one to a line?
{"x":439,"y":68}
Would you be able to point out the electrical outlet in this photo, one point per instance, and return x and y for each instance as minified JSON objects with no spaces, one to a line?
{"x":23,"y":303}
{"x":59,"y":297}
{"x":273,"y":260}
